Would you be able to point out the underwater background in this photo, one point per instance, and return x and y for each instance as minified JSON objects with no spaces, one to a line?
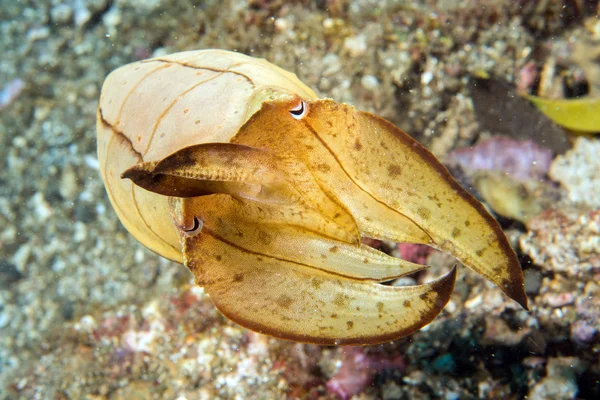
{"x":86,"y":312}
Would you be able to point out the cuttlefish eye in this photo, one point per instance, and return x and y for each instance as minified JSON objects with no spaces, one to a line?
{"x":299,"y":111}
{"x":195,"y":229}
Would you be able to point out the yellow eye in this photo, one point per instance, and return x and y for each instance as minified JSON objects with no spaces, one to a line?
{"x":299,"y":111}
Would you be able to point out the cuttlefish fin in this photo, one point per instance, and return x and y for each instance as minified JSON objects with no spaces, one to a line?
{"x":292,"y":301}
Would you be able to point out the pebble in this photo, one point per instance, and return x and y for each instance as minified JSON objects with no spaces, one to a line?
{"x":583,"y":332}
{"x":38,"y":34}
{"x":112,"y":19}
{"x":42,"y":209}
{"x":68,"y":187}
{"x":85,"y":9}
{"x":356,"y":46}
{"x":21,"y":257}
{"x":79,"y":232}
{"x":533,"y":281}
{"x":559,"y":299}
{"x":332,"y":65}
{"x":560,"y":382}
{"x":283,"y":25}
{"x":61,"y":13}
{"x":577,"y":171}
{"x":4,"y":318}
{"x":426,"y":78}
{"x":86,"y":324}
{"x":369,"y":82}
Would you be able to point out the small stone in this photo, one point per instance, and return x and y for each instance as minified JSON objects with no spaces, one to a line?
{"x":36,"y":34}
{"x":42,"y":209}
{"x":68,"y":188}
{"x":328,"y":23}
{"x":404,"y":281}
{"x":283,"y":25}
{"x":85,"y":212}
{"x":577,"y":171}
{"x":84,"y":10}
{"x":21,"y":257}
{"x":533,"y":281}
{"x":560,"y":382}
{"x":10,"y":92}
{"x":444,"y":364}
{"x":498,"y":332}
{"x":332,"y":65}
{"x":86,"y":324}
{"x":557,"y":300}
{"x":61,"y":14}
{"x":112,"y":19}
{"x":79,"y":232}
{"x":415,"y":378}
{"x":583,"y":332}
{"x":67,"y":310}
{"x":369,"y":82}
{"x":426,"y":78}
{"x":356,"y":45}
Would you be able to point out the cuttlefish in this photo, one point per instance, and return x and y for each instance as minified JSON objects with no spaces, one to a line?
{"x":233,"y":167}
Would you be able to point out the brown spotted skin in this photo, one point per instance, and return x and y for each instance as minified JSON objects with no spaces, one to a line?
{"x":270,"y":289}
{"x":285,"y":187}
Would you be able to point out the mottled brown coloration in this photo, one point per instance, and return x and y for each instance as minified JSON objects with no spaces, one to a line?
{"x":341,"y":300}
{"x":394,"y":170}
{"x":285,"y":199}
{"x":285,"y":301}
{"x":357,"y":145}
{"x":424,"y":212}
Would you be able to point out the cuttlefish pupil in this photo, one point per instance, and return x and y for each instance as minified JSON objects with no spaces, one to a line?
{"x":195,"y":228}
{"x":299,"y":111}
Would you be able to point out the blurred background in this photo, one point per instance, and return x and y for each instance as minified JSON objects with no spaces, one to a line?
{"x":88,"y":313}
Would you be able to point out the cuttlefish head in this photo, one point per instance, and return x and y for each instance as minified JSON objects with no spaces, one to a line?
{"x":272,"y":224}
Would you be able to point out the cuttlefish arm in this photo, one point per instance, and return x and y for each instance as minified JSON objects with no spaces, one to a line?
{"x":283,"y":207}
{"x":393,"y":187}
{"x":279,"y":215}
{"x":327,"y":295}
{"x":275,"y":262}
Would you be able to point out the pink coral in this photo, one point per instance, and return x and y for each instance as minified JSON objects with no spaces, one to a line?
{"x":522,"y":160}
{"x":417,"y":253}
{"x":358,"y":370}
